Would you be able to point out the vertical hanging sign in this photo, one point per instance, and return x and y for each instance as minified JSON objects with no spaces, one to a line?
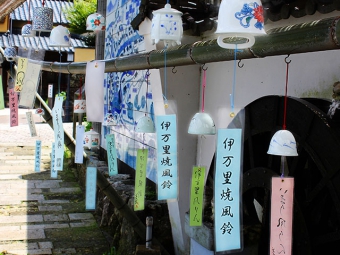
{"x":2,"y":99}
{"x":31,"y":124}
{"x":21,"y":71}
{"x":79,"y":158}
{"x":140,"y":179}
{"x":54,"y":173}
{"x":111,"y":154}
{"x":227,"y":191}
{"x":281,"y":218}
{"x":94,"y":93}
{"x":166,"y":127}
{"x":91,"y":182}
{"x":58,"y":133}
{"x":13,"y":107}
{"x":196,"y":196}
{"x":27,"y":94}
{"x":37,"y":156}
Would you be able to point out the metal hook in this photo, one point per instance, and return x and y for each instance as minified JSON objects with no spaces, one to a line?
{"x":239,"y":64}
{"x":287,"y":62}
{"x":68,"y":66}
{"x":204,"y":69}
{"x":173,"y":70}
{"x":51,"y":67}
{"x":148,"y":73}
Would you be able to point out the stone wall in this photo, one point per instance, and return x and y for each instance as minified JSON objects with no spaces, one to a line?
{"x":115,"y":227}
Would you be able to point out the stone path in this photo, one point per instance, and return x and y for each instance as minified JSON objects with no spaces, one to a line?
{"x":39,"y":214}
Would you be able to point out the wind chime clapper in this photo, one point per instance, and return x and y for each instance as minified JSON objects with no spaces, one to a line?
{"x":283,"y":142}
{"x":202,"y":123}
{"x":145,"y":124}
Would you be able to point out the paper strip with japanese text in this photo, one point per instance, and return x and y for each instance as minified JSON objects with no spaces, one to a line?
{"x":227,"y":190}
{"x":111,"y":154}
{"x":58,"y":133}
{"x":91,"y":188}
{"x":13,"y":108}
{"x":37,"y":156}
{"x":140,"y":179}
{"x":31,"y":80}
{"x":2,"y":99}
{"x":31,"y":124}
{"x":167,"y":180}
{"x":94,"y":90}
{"x":196,"y":196}
{"x":54,"y":173}
{"x":20,"y":75}
{"x":79,"y":157}
{"x":281,"y":216}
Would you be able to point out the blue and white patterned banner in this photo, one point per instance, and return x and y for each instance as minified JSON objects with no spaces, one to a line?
{"x":227,"y":190}
{"x":166,"y":127}
{"x":37,"y":156}
{"x":91,"y":188}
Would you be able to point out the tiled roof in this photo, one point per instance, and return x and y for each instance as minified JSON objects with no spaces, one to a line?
{"x":36,"y":42}
{"x":22,"y":13}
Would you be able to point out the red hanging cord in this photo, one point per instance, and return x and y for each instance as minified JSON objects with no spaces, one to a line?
{"x":285,"y":102}
{"x":43,"y":3}
{"x":203,"y":87}
{"x":80,"y":88}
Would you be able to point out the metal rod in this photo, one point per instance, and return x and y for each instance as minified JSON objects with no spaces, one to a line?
{"x":314,"y":36}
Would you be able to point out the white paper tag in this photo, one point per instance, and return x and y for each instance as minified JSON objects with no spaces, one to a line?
{"x":58,"y":134}
{"x":31,"y":124}
{"x":78,"y":159}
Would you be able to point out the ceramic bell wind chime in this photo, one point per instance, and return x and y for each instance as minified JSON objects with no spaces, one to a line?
{"x":26,"y":30}
{"x":10,"y":52}
{"x":167,"y":26}
{"x":60,"y":36}
{"x":95,"y":22}
{"x":238,"y":22}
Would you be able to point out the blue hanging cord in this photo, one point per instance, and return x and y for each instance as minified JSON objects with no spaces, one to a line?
{"x":232,"y":95}
{"x":165,"y":78}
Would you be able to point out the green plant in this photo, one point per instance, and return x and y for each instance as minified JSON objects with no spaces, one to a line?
{"x":87,"y":124}
{"x":62,"y":94}
{"x":112,"y":251}
{"x":78,"y":13}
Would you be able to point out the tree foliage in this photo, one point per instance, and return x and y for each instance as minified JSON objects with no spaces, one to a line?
{"x":78,"y":14}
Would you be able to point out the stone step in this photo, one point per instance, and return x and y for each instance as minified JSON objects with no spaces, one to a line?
{"x":24,"y":248}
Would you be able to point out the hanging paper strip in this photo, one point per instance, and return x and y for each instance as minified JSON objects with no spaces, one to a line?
{"x":281,"y":219}
{"x":111,"y":154}
{"x":166,"y":127}
{"x":13,"y":108}
{"x":37,"y":156}
{"x":140,"y":179}
{"x":31,"y":124}
{"x":21,"y":72}
{"x":2,"y":99}
{"x":54,"y":173}
{"x":94,"y":90}
{"x":79,"y":158}
{"x":196,"y":196}
{"x":227,"y":191}
{"x":31,"y":80}
{"x":58,"y":133}
{"x":91,"y":182}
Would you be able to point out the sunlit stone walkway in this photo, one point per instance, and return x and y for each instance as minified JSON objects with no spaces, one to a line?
{"x":39,"y":214}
